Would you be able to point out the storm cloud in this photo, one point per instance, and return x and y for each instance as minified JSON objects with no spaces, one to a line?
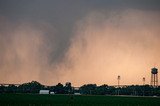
{"x":80,"y":41}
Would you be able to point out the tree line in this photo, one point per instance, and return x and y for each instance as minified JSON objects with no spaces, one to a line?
{"x":87,"y":89}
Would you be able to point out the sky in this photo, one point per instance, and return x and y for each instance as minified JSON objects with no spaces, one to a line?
{"x":79,"y":41}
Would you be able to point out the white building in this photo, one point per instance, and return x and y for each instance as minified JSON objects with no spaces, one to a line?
{"x":77,"y":93}
{"x":52,"y":93}
{"x":44,"y":92}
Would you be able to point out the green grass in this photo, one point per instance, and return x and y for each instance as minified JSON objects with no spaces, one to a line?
{"x":81,"y":100}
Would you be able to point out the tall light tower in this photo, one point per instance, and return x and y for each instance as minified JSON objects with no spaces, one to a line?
{"x":154,"y":77}
{"x":118,"y":78}
{"x":144,"y":80}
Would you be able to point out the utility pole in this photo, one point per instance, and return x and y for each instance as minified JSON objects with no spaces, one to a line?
{"x":143,"y":85}
{"x":118,"y":78}
{"x":144,"y":81}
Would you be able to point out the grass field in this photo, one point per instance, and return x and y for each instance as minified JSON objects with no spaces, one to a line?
{"x":76,"y":100}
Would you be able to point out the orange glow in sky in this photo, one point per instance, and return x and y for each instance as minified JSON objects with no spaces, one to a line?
{"x":125,"y":43}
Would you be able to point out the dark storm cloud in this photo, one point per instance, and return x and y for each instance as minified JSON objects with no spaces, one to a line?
{"x":63,"y":14}
{"x":59,"y":17}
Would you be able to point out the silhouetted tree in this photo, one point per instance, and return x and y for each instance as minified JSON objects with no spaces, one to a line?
{"x":2,"y":89}
{"x":88,"y":89}
{"x":102,"y":90}
{"x":92,"y":89}
{"x":68,"y":88}
{"x":11,"y":89}
{"x":59,"y":89}
{"x":31,"y":87}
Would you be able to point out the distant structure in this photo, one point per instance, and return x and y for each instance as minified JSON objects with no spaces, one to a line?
{"x":144,"y":80}
{"x":154,"y":77}
{"x":118,"y":78}
{"x":44,"y":92}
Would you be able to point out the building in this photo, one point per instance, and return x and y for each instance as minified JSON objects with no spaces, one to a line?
{"x":44,"y":92}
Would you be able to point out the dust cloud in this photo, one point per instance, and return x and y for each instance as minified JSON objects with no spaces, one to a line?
{"x":24,"y":52}
{"x":104,"y":44}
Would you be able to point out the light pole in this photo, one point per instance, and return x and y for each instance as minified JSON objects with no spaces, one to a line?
{"x":144,"y":81}
{"x":144,"y":85}
{"x":118,"y":78}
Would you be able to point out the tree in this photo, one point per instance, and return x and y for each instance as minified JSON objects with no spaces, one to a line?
{"x":11,"y":89}
{"x":31,"y":87}
{"x":59,"y":89}
{"x":88,"y":89}
{"x":102,"y":90}
{"x":2,"y":89}
{"x":68,"y":88}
